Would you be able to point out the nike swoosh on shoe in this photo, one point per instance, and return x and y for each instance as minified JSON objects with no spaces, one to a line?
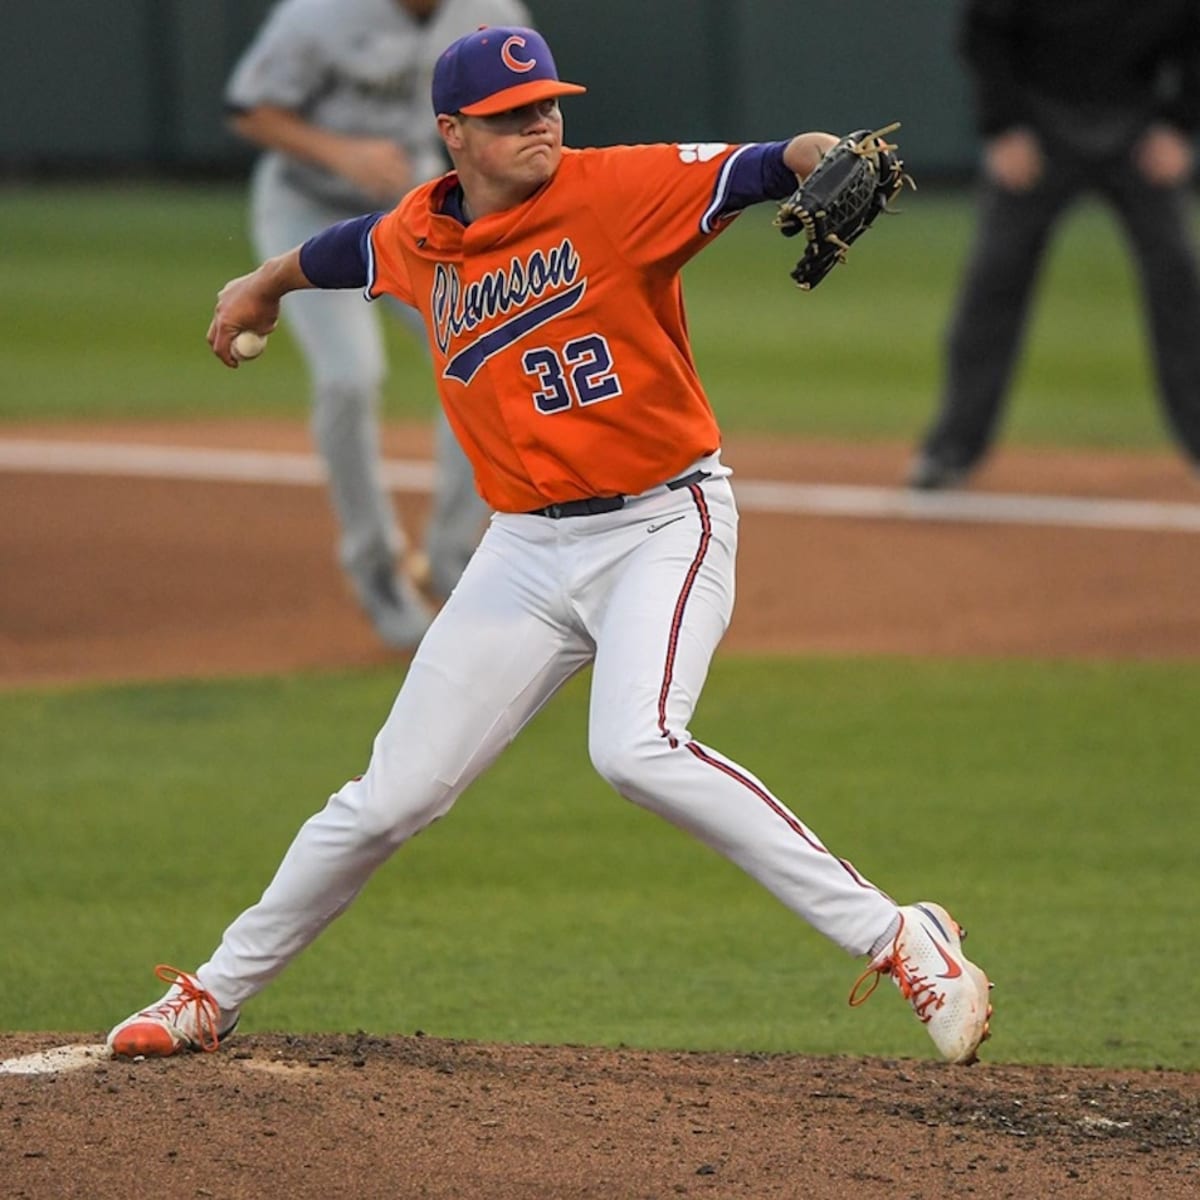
{"x":953,"y":970}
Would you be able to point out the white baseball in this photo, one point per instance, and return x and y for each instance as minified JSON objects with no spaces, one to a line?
{"x":248,"y":344}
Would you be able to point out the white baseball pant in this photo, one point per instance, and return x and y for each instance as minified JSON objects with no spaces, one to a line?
{"x":644,"y":594}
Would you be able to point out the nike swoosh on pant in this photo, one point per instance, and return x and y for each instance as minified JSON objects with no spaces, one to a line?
{"x":664,"y":524}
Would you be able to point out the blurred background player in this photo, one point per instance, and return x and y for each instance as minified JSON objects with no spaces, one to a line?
{"x":337,"y":94}
{"x":1098,"y":96}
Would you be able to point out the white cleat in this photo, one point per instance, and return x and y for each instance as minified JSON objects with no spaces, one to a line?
{"x":186,"y":1018}
{"x":947,"y":991}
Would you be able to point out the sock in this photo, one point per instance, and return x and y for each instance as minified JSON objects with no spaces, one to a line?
{"x":885,"y":939}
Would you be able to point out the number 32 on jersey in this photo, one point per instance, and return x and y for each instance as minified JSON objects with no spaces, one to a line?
{"x":580,"y":372}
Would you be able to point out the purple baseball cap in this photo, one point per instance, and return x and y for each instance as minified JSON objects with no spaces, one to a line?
{"x":495,"y":69}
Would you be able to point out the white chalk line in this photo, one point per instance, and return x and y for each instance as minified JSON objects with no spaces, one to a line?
{"x":57,"y":1060}
{"x":754,"y":495}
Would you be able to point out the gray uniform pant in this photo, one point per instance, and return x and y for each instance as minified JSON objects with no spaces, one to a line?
{"x":1011,"y":235}
{"x":340,"y":337}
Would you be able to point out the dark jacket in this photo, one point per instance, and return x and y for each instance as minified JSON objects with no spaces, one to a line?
{"x":1123,"y":61}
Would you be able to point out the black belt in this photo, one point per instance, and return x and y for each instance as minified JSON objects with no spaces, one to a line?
{"x":593,"y":505}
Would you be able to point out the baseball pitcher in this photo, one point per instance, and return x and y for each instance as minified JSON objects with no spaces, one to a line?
{"x":548,"y":283}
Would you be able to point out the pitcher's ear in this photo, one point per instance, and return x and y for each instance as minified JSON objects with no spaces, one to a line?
{"x":450,"y":128}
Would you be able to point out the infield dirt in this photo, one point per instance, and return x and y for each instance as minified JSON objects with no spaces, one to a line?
{"x":115,"y":578}
{"x":419,"y":1117}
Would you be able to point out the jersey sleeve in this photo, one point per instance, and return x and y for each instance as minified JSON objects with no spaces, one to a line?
{"x":387,"y":272}
{"x":662,"y":203}
{"x":337,"y":257}
{"x":284,"y":64}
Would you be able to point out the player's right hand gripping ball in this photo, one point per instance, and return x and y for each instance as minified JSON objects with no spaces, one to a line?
{"x":851,"y":185}
{"x":247,"y":344}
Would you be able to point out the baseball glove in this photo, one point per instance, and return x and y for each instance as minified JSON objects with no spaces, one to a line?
{"x":836,"y":204}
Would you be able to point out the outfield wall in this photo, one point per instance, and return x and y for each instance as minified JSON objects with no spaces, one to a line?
{"x":138,"y":83}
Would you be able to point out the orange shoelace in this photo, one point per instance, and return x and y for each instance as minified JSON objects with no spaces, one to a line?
{"x":917,"y":989}
{"x":190,"y":993}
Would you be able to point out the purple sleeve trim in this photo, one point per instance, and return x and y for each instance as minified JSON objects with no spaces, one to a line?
{"x":337,"y":257}
{"x":753,"y":173}
{"x":759,"y":175}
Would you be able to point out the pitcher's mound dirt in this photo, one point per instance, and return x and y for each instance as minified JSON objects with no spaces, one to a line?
{"x":364,"y":1117}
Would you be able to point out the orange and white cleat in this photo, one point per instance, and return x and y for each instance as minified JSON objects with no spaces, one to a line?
{"x":947,"y":991}
{"x":186,"y":1018}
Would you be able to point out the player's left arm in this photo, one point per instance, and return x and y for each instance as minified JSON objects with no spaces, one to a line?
{"x":661,"y":203}
{"x":766,"y":171}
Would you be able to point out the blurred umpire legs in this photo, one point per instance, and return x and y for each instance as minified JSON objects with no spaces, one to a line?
{"x":987,"y":327}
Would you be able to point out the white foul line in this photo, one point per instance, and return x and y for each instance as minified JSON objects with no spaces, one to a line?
{"x":810,"y":499}
{"x":1000,"y":508}
{"x":183,"y":462}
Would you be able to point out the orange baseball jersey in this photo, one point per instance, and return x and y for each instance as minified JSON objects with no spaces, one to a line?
{"x":557,"y":327}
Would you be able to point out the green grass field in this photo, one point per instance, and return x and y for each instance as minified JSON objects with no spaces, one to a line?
{"x":1052,"y":805}
{"x":105,"y":295}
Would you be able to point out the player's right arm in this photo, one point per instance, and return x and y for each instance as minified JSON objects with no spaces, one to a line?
{"x":252,"y":302}
{"x":274,"y":84}
{"x":376,"y":166}
{"x":337,"y":257}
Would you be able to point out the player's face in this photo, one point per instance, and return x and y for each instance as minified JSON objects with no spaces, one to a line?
{"x":520,"y":148}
